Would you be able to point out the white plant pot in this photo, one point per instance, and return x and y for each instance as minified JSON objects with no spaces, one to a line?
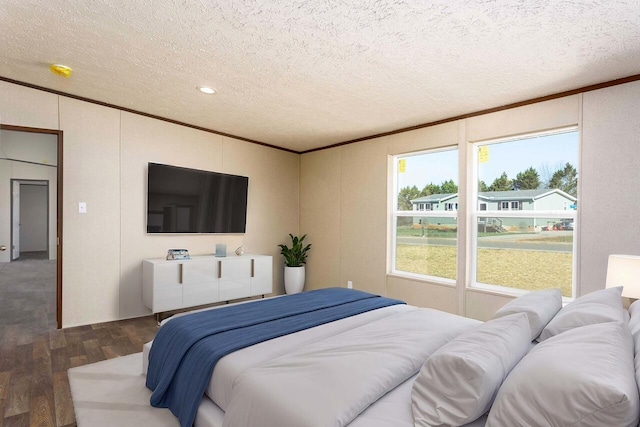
{"x":293,"y":279}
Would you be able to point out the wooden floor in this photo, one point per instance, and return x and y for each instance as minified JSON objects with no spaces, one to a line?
{"x":34,"y":357}
{"x":34,"y":388}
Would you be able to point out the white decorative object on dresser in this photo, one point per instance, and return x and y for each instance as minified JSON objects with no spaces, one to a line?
{"x":171,"y":285}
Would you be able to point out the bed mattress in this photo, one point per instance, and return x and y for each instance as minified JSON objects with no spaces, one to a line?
{"x":393,"y":409}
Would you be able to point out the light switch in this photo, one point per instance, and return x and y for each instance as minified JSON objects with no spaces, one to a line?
{"x":82,"y":207}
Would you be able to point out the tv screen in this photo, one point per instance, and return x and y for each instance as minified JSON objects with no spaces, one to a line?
{"x":181,"y":200}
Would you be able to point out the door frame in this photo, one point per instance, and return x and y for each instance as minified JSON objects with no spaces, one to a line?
{"x":21,"y":182}
{"x":13,"y":184}
{"x":59,"y":135}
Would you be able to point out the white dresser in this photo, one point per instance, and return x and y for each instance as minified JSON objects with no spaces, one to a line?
{"x":174,"y":284}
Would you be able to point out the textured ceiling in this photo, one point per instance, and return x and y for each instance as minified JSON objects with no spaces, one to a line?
{"x":302,"y":74}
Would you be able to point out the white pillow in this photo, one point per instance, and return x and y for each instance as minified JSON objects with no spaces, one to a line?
{"x":539,"y":306}
{"x":458,"y":383}
{"x":596,"y":307}
{"x":582,"y":377}
{"x":634,"y":309}
{"x":634,"y":326}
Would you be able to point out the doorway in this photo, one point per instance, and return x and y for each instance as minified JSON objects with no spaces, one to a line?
{"x":30,"y":219}
{"x":31,"y":224}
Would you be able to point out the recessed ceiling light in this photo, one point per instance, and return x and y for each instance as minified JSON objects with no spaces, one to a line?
{"x":206,"y":89}
{"x":61,"y":70}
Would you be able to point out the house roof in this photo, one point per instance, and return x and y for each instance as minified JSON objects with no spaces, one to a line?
{"x":522,"y":194}
{"x":305,"y":74}
{"x":435,"y":198}
{"x":496,"y":196}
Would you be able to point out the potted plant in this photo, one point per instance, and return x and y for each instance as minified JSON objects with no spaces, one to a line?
{"x":294,"y":259}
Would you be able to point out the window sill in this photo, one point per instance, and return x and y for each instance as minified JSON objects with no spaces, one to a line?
{"x":431,"y":280}
{"x":503,"y":291}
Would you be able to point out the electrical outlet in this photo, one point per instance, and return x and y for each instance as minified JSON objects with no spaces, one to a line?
{"x":349,"y":284}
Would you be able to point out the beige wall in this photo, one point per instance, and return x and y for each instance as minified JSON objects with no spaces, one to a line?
{"x":363,"y":223}
{"x":349,"y":234}
{"x":91,"y":242}
{"x":337,"y":196}
{"x":610,"y":179}
{"x":106,"y":152}
{"x":32,"y":147}
{"x":320,"y":195}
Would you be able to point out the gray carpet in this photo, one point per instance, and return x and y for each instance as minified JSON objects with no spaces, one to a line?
{"x":28,"y":294}
{"x":112,"y":393}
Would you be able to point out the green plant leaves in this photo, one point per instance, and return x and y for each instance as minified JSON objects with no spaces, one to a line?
{"x":296,"y":255}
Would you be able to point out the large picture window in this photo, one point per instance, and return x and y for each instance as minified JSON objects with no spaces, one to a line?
{"x":425,"y":214}
{"x":525,"y":210}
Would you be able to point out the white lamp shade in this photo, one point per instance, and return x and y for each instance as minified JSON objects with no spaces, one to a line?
{"x":624,"y":270}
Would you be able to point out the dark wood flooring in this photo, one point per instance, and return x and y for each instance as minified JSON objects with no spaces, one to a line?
{"x":34,"y":388}
{"x":34,"y":356}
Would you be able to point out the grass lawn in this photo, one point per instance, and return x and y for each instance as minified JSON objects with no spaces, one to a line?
{"x":530,"y":270}
{"x":549,"y":239}
{"x":451,"y":232}
{"x":431,"y":231}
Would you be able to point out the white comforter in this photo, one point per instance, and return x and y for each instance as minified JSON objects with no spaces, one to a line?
{"x":331,"y":381}
{"x":230,"y":367}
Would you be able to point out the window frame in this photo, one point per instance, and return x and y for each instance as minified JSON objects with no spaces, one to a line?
{"x":475,"y":214}
{"x":429,"y":212}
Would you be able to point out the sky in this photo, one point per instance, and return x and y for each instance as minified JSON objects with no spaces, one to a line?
{"x":549,"y":152}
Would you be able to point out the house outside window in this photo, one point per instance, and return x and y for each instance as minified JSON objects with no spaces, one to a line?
{"x":524,"y":207}
{"x":429,"y":179}
{"x":534,"y":250}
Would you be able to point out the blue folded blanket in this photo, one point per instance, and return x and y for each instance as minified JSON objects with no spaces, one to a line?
{"x":186,"y":349}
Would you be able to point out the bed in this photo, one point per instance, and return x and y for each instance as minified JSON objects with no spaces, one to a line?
{"x":382,"y":367}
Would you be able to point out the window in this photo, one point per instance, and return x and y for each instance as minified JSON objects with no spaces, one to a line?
{"x":424,"y":206}
{"x":505,"y":206}
{"x":536,"y":244}
{"x":424,"y":241}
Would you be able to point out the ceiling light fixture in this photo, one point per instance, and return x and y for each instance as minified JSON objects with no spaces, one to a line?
{"x":61,"y":70}
{"x":206,"y":89}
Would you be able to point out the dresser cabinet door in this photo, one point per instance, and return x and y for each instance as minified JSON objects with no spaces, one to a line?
{"x":262,"y":276}
{"x":200,"y":283}
{"x":167,"y":287}
{"x":235,"y":278}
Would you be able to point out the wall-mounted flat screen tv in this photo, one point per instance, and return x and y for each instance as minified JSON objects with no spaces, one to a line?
{"x":181,"y":200}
